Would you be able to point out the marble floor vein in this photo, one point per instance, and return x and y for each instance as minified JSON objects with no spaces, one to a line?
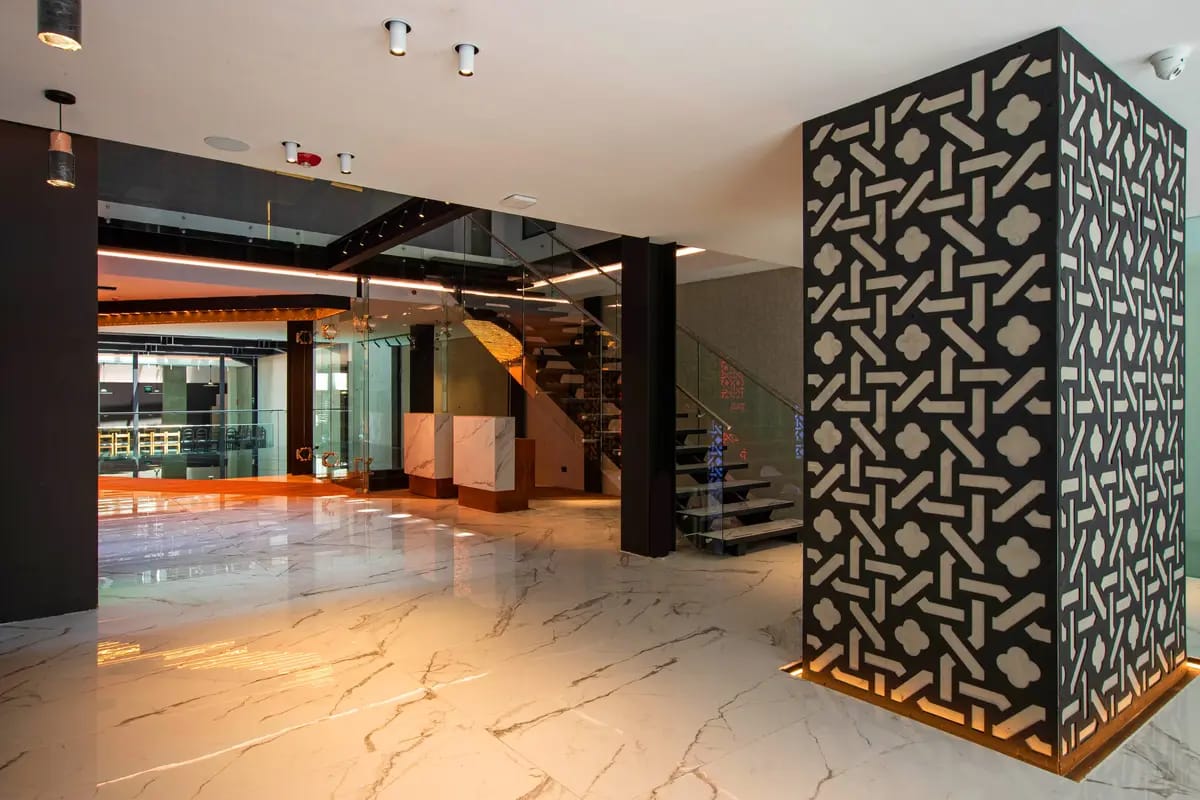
{"x":337,"y":647}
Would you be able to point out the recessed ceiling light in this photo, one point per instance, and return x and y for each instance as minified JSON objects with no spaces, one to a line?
{"x":518,"y":201}
{"x":345,"y":163}
{"x":227,"y":144}
{"x":291,"y":151}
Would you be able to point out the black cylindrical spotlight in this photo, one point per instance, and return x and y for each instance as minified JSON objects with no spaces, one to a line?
{"x":60,"y":23}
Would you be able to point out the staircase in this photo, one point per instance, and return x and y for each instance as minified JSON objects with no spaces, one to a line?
{"x":571,"y":359}
{"x":561,"y":348}
{"x":713,"y":508}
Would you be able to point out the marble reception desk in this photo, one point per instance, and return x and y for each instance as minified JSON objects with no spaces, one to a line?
{"x":429,"y":454}
{"x":492,"y":468}
{"x":484,"y":450}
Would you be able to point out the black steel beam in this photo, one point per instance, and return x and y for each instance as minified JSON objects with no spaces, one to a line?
{"x":186,"y":345}
{"x":403,"y":223}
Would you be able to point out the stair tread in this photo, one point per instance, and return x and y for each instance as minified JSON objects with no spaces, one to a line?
{"x":755,"y":506}
{"x":696,"y":449}
{"x":687,"y":469}
{"x":690,"y":431}
{"x":723,"y":486}
{"x":761,"y":530}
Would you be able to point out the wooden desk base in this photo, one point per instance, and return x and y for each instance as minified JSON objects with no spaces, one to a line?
{"x":432,"y":487}
{"x":495,"y":502}
{"x":502,"y":502}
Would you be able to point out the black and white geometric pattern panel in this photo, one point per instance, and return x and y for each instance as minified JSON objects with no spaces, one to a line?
{"x":930,"y":552}
{"x":1120,"y":294}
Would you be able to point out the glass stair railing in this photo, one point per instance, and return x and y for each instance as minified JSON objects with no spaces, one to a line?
{"x":557,"y":346}
{"x":739,"y":454}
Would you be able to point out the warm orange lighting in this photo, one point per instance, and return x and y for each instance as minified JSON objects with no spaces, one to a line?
{"x":608,"y":268}
{"x":105,"y":319}
{"x":61,"y":41}
{"x":237,"y":266}
{"x":795,"y":669}
{"x":511,"y":296}
{"x":503,"y":346}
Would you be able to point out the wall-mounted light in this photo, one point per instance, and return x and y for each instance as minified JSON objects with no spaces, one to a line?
{"x":61,"y":171}
{"x":291,"y":151}
{"x":466,"y":58}
{"x":345,"y":162}
{"x":60,"y":23}
{"x":398,"y":31}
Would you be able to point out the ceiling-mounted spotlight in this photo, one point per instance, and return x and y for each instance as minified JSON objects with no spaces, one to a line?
{"x":398,"y":31}
{"x":60,"y":23}
{"x":291,"y":151}
{"x":61,"y":172}
{"x":466,"y":58}
{"x":344,"y":162}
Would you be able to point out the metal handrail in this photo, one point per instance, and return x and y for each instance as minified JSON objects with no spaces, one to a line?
{"x":525,"y":264}
{"x":705,"y":408}
{"x":792,"y":404}
{"x":795,"y":406}
{"x":579,"y":307}
{"x":591,"y":264}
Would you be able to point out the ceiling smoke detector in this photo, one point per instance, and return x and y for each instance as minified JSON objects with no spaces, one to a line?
{"x":226,"y":143}
{"x":1168,"y":64}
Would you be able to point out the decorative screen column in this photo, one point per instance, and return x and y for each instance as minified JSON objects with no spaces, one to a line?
{"x":994,"y":426}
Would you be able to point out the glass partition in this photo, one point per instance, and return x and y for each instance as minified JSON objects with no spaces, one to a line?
{"x":184,"y":416}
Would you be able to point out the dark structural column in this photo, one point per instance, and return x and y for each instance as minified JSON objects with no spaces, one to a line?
{"x":994,"y":478}
{"x":300,"y":398}
{"x":420,"y":368}
{"x":647,"y":397}
{"x":48,"y":425}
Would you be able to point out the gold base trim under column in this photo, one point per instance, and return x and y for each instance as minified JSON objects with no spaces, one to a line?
{"x":1080,"y":761}
{"x":1076,"y":764}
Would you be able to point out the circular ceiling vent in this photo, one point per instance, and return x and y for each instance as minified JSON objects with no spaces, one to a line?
{"x":227,"y":144}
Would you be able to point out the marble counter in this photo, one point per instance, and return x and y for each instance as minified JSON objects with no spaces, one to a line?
{"x":484,"y":453}
{"x":429,"y":445}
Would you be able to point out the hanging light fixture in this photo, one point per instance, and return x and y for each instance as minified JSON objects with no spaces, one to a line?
{"x":61,"y":171}
{"x":344,"y":162}
{"x":466,"y":58}
{"x":291,"y":151}
{"x":60,"y":23}
{"x":398,"y":31}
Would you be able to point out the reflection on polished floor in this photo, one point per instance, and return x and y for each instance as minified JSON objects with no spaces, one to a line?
{"x":339,"y":647}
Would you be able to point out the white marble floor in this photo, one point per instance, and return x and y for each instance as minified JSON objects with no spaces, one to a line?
{"x":399,"y":648}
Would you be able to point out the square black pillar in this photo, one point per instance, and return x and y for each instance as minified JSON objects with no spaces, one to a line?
{"x":48,"y":539}
{"x":300,"y":398}
{"x":647,"y":397}
{"x":420,"y":368}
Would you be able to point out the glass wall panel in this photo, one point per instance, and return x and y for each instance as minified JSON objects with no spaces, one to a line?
{"x":184,"y":417}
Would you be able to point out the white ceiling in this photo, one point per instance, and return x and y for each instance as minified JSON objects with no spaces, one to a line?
{"x":673,"y":118}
